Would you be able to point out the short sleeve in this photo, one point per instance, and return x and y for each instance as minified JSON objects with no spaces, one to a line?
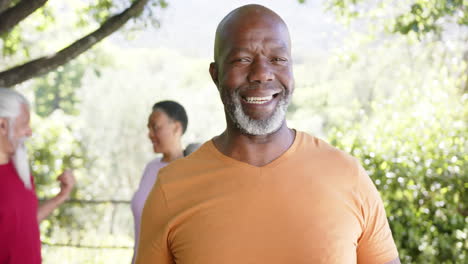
{"x":376,"y":243}
{"x":153,"y":246}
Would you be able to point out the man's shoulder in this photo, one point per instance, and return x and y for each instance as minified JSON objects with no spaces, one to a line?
{"x":202,"y":159}
{"x":315,"y":148}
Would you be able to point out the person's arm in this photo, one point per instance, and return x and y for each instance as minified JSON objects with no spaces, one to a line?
{"x":153,"y":243}
{"x":376,"y":243}
{"x":67,"y":181}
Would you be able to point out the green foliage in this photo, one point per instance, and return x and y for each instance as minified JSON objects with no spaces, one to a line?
{"x":425,"y":16}
{"x":397,"y":106}
{"x":55,"y":147}
{"x":44,"y":18}
{"x":98,"y":11}
{"x":12,"y":43}
{"x":419,"y":17}
{"x":58,"y":24}
{"x":419,"y":162}
{"x":18,"y":39}
{"x":57,"y":89}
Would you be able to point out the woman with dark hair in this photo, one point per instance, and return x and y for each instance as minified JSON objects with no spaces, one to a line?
{"x":166,"y":124}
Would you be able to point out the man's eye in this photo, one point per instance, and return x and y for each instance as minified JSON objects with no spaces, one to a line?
{"x":242,"y":60}
{"x":279,"y":59}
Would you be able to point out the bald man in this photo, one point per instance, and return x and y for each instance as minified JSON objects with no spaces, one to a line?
{"x":261,"y":192}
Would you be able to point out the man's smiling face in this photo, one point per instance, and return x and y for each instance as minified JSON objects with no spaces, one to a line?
{"x":253,"y":71}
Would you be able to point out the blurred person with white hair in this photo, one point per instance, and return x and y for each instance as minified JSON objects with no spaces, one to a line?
{"x":20,"y":212}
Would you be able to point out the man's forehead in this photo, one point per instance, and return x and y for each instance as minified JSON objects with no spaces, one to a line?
{"x":255,"y":26}
{"x":249,"y":23}
{"x":246,"y":40}
{"x":247,"y":45}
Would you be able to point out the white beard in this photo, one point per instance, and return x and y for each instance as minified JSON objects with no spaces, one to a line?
{"x":21,"y":163}
{"x":257,"y":127}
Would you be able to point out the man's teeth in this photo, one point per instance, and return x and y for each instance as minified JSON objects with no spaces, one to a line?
{"x":258,"y":100}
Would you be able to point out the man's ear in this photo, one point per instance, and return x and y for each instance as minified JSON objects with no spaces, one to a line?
{"x":4,"y":126}
{"x":214,"y":72}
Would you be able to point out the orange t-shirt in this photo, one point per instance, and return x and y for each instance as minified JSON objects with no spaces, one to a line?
{"x":314,"y":204}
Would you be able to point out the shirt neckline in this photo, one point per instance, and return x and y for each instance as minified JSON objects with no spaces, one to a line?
{"x":7,"y":165}
{"x":297,"y":141}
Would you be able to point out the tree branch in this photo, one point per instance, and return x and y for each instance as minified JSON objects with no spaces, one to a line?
{"x":4,"y":5}
{"x":45,"y":64}
{"x":15,"y":14}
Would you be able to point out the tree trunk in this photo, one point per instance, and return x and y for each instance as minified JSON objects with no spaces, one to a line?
{"x":46,"y":64}
{"x":15,"y":14}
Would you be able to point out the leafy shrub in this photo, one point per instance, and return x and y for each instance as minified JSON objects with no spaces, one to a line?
{"x":419,"y":162}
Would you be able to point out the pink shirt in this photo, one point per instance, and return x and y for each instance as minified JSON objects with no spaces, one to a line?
{"x":139,"y":198}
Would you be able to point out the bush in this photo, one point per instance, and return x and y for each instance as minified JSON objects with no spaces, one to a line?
{"x":419,"y":162}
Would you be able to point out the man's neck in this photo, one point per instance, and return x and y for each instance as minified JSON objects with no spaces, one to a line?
{"x":4,"y":154}
{"x":4,"y":158}
{"x":254,"y":150}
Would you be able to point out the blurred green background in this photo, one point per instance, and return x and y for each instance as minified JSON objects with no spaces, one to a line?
{"x":383,"y":80}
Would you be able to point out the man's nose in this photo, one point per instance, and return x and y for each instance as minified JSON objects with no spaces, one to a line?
{"x":260,"y":72}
